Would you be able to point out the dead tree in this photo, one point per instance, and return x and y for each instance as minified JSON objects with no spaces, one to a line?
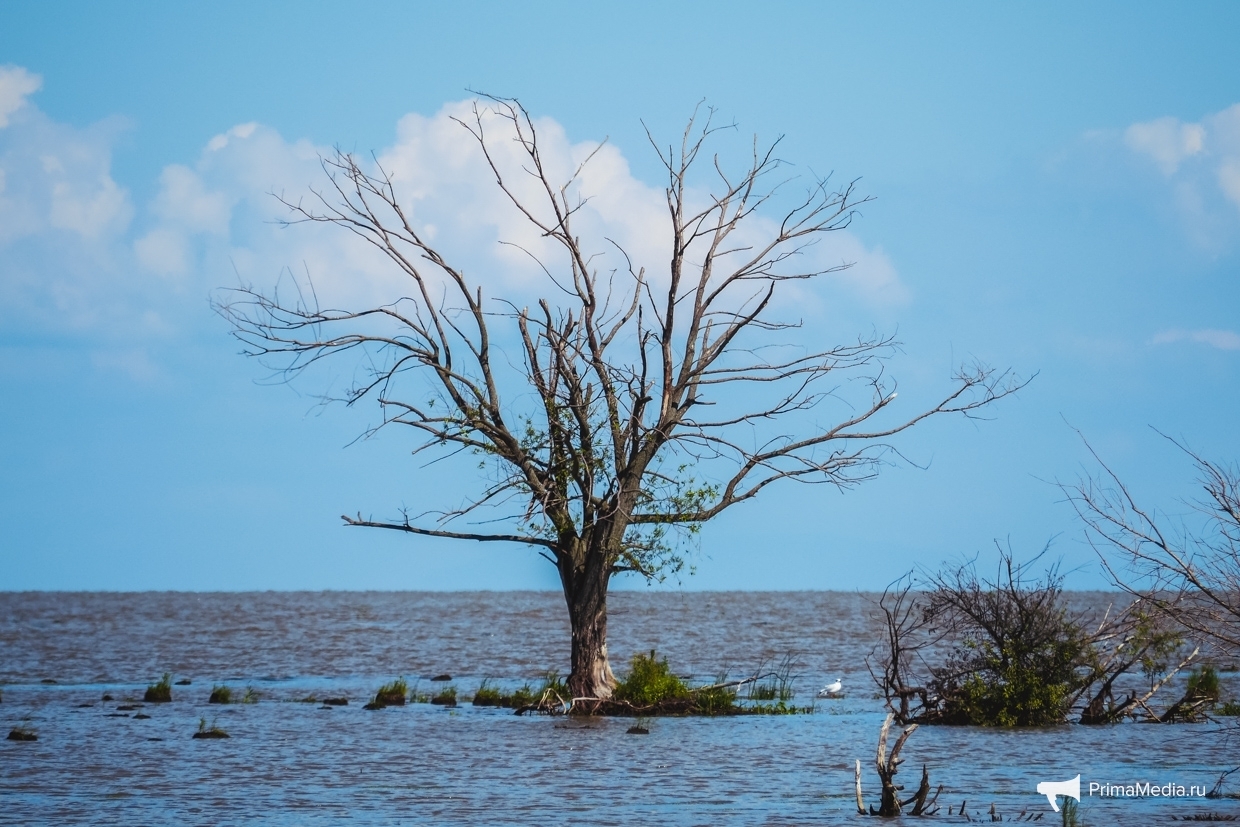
{"x":1190,"y":576}
{"x":638,"y":403}
{"x":890,"y":804}
{"x":900,"y":669}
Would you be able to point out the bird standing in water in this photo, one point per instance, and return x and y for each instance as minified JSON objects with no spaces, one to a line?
{"x":831,"y":689}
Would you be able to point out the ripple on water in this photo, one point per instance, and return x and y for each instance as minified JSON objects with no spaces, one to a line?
{"x":291,"y":763}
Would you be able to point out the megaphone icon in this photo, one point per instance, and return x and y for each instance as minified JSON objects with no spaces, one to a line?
{"x":1050,"y":789}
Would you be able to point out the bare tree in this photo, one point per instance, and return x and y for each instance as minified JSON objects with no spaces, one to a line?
{"x":1189,"y":575}
{"x":639,"y":383}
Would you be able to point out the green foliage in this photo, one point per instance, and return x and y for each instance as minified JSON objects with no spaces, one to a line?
{"x":160,"y":692}
{"x":1020,"y":657}
{"x":392,"y":694}
{"x":212,"y":731}
{"x":1231,"y":708}
{"x":445,"y":696}
{"x":715,"y":701}
{"x":553,"y":689}
{"x":650,"y":681}
{"x":220,"y":695}
{"x":775,"y":687}
{"x":655,"y":550}
{"x":1069,"y":811}
{"x":553,"y":685}
{"x":1156,"y":644}
{"x":1203,"y":683}
{"x":522,"y":697}
{"x":780,"y":708}
{"x":488,"y":695}
{"x":251,"y":696}
{"x":1010,"y":695}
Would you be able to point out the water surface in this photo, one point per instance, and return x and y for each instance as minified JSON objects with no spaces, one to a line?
{"x":291,"y":763}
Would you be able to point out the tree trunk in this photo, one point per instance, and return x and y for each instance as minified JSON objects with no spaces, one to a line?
{"x":585,"y":591}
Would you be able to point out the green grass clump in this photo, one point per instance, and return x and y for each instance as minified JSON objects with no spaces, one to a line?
{"x":212,"y":731}
{"x":715,"y":700}
{"x":779,"y":708}
{"x":1203,"y":683}
{"x":488,"y":695}
{"x":553,"y":690}
{"x":777,"y":686}
{"x":553,"y":685}
{"x":1069,"y":812}
{"x":392,"y":694}
{"x":220,"y":695}
{"x":521,"y":697}
{"x":650,"y":681}
{"x":250,"y":697}
{"x":1231,"y":708}
{"x":445,"y":697}
{"x":161,"y":692}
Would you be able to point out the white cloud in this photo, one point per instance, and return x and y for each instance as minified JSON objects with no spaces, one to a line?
{"x":15,"y":84}
{"x":72,"y":256}
{"x":1220,"y":339}
{"x":164,"y":251}
{"x":184,"y":200}
{"x":1202,"y":159}
{"x":221,"y":207}
{"x":1166,"y":140}
{"x":91,"y":208}
{"x":62,"y":221}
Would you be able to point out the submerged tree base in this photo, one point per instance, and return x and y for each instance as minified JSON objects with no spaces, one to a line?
{"x":652,"y":690}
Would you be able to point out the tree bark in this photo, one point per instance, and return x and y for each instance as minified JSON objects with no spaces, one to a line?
{"x":585,"y":592}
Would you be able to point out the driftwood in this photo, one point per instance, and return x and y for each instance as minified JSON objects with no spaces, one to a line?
{"x":920,"y":805}
{"x":888,"y":766}
{"x":890,"y":804}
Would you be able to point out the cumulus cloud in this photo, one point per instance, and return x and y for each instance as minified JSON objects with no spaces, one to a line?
{"x":1201,"y":159}
{"x":15,"y":85}
{"x":76,"y":255}
{"x":61,"y":218}
{"x":1219,"y":339}
{"x":221,"y":208}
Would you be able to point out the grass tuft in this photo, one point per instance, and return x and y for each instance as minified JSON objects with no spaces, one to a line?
{"x":391,"y":694}
{"x":220,"y":695}
{"x":445,"y":697}
{"x":161,"y":692}
{"x":212,"y":731}
{"x":488,"y":695}
{"x":1231,"y":708}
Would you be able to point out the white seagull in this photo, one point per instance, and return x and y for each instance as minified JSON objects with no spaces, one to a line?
{"x":831,"y":689}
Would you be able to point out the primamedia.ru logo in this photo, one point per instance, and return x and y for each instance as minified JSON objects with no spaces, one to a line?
{"x":1146,"y":789}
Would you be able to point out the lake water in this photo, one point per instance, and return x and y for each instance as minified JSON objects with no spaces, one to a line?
{"x":290,"y":763}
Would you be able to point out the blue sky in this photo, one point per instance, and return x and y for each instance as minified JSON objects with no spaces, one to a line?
{"x":1057,"y":189}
